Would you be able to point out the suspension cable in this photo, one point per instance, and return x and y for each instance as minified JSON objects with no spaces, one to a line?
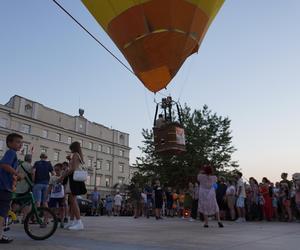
{"x":91,"y":35}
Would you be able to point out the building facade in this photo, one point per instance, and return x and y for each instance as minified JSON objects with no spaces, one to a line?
{"x":106,"y":151}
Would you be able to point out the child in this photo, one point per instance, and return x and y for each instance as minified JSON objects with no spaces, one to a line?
{"x":57,"y":194}
{"x":8,"y":173}
{"x":187,"y":205}
{"x":181,"y":201}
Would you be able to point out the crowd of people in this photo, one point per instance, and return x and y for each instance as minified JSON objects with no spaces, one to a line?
{"x":236,"y":199}
{"x":56,"y":187}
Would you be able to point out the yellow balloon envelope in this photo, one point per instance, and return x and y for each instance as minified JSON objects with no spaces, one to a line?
{"x":155,"y":36}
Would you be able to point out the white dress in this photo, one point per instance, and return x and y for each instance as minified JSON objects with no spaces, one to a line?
{"x":207,"y":203}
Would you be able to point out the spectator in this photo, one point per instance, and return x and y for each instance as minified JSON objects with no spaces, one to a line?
{"x":95,"y":195}
{"x":195,"y":197}
{"x":158,"y":197}
{"x":241,"y":195}
{"x":230,"y":198}
{"x":24,"y":186}
{"x":118,"y":203}
{"x":41,"y":175}
{"x":74,"y":188}
{"x":149,"y":192}
{"x":57,"y":193}
{"x":221,"y":196}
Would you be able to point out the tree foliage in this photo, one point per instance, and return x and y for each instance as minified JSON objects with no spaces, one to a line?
{"x":208,"y":139}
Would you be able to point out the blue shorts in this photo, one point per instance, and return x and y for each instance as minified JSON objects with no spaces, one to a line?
{"x":240,"y":202}
{"x":40,"y":192}
{"x":5,"y":200}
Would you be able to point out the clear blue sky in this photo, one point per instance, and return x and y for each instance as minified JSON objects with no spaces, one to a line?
{"x":247,"y":69}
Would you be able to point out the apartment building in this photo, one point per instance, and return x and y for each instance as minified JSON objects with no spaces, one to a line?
{"x":106,"y":150}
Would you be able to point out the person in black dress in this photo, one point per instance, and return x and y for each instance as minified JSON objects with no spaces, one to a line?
{"x":74,"y":188}
{"x":158,"y":199}
{"x":221,"y":196}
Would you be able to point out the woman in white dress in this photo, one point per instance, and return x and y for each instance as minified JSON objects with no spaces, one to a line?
{"x":207,"y":196}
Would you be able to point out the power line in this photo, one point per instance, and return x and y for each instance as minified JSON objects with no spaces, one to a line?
{"x":91,"y":35}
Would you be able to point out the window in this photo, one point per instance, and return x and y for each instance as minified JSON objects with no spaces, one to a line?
{"x":25,"y":128}
{"x":121,"y":152}
{"x":43,"y":150}
{"x":109,"y":150}
{"x":69,"y":140}
{"x":98,"y":164}
{"x":56,"y":156}
{"x":107,"y":182}
{"x":80,"y":126}
{"x":98,"y":181}
{"x":90,"y":145}
{"x":45,"y":134}
{"x":88,"y":180}
{"x":57,"y":137}
{"x":99,"y":147}
{"x":107,"y":166}
{"x":121,"y":180}
{"x":25,"y":149}
{"x":89,"y":163}
{"x":1,"y":144}
{"x":28,"y":107}
{"x":121,"y":167}
{"x":122,"y":139}
{"x":3,"y":122}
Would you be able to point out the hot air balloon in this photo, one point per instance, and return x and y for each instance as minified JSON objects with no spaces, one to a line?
{"x":155,"y":36}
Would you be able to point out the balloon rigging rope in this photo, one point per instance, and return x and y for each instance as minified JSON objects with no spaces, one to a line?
{"x":91,"y":35}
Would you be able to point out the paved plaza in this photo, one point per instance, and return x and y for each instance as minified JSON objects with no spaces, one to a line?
{"x":128,"y":233}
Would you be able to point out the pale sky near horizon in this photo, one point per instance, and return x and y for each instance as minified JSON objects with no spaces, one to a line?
{"x":247,"y":69}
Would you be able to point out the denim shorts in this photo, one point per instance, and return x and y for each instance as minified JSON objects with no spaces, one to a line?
{"x":40,"y":192}
{"x":240,"y":202}
{"x":5,"y":200}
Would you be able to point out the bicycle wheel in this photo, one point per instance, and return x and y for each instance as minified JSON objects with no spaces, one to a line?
{"x":42,"y":225}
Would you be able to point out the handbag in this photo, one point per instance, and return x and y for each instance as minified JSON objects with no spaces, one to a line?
{"x":80,"y":174}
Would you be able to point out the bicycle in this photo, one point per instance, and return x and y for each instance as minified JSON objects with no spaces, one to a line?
{"x":40,"y":223}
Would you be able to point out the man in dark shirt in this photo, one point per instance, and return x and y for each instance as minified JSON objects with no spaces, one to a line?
{"x":41,"y":176}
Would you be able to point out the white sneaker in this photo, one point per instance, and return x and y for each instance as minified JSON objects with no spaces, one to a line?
{"x":239,"y":220}
{"x":69,"y":224}
{"x":77,"y":226}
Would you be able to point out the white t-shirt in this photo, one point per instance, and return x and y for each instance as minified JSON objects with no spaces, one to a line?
{"x":240,"y":184}
{"x":230,"y":190}
{"x":57,"y":190}
{"x":118,"y":200}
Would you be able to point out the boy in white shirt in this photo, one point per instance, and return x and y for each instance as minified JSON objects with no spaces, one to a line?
{"x":57,"y":194}
{"x":118,"y":203}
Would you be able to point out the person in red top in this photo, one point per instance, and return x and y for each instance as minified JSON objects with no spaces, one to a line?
{"x":265,"y":192}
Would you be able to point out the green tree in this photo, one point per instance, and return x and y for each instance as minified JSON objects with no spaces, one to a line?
{"x":208,"y":138}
